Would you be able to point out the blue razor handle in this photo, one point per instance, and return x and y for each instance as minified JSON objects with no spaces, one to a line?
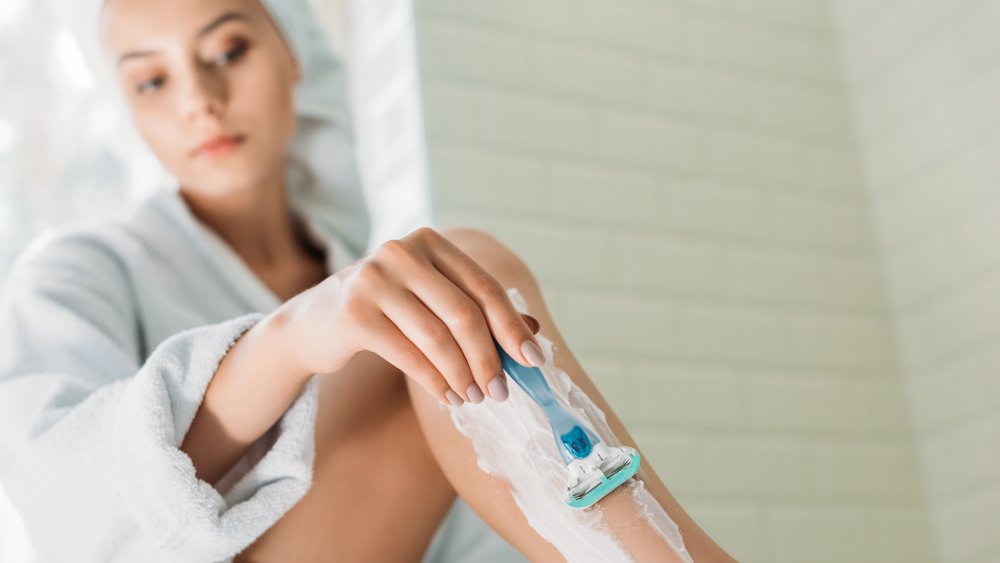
{"x":573,"y":440}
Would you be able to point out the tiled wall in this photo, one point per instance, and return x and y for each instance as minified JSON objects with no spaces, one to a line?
{"x":925,"y":80}
{"x":685,"y":180}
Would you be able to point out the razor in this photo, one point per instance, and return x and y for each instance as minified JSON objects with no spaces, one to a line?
{"x":595,"y":469}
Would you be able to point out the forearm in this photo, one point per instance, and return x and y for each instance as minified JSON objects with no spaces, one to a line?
{"x":253,"y":386}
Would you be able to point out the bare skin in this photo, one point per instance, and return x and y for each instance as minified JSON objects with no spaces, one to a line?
{"x":490,"y":497}
{"x":441,"y":462}
{"x":411,"y":322}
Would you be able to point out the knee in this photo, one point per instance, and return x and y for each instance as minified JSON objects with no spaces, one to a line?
{"x":470,"y":239}
{"x":495,"y":257}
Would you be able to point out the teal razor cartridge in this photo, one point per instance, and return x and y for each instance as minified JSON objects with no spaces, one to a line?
{"x":595,"y":469}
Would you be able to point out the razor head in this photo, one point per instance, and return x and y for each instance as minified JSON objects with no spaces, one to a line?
{"x":593,"y":478}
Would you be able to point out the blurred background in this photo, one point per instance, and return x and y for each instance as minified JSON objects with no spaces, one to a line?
{"x":768,"y":228}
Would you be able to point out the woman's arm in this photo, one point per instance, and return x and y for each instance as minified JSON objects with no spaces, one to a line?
{"x":253,"y":386}
{"x":417,"y":302}
{"x":90,"y":429}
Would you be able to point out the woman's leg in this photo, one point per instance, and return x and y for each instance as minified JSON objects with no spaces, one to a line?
{"x":491,"y":497}
{"x":378,"y":494}
{"x":377,"y":469}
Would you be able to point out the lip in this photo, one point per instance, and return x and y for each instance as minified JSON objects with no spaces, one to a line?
{"x":219,"y":146}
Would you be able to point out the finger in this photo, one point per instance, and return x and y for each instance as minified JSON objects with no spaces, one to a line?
{"x":389,"y":342}
{"x":432,"y":336}
{"x":504,"y":322}
{"x":467,"y":323}
{"x":532,"y":322}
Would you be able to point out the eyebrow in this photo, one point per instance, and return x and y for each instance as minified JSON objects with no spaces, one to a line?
{"x":224,"y":18}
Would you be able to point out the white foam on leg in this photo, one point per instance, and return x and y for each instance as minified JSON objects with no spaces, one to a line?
{"x":513,"y":440}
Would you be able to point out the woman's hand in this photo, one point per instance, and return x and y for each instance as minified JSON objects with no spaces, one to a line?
{"x":424,"y":306}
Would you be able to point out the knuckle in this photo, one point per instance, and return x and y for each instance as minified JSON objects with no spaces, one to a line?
{"x":465,"y":316}
{"x":489,"y":288}
{"x":437,"y":335}
{"x":370,"y":273}
{"x":400,"y":253}
{"x":391,"y":249}
{"x":424,"y":234}
{"x":430,"y":232}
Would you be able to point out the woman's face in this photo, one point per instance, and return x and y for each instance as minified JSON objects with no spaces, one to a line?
{"x":210,"y":87}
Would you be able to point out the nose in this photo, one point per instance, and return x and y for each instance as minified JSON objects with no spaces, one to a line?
{"x":204,"y":96}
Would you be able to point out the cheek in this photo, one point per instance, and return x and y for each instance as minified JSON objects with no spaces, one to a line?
{"x":161,"y":133}
{"x":267,"y":98}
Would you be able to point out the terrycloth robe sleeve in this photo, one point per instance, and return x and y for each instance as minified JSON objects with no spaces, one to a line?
{"x":90,"y":432}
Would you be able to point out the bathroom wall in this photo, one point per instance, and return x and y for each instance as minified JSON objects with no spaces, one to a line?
{"x":685,"y":180}
{"x":925,"y":83}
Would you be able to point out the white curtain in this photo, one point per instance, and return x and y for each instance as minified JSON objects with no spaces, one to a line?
{"x":62,"y":158}
{"x":61,"y":154}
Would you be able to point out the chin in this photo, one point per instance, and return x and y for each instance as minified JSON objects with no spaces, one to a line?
{"x":220,"y":191}
{"x":232,"y":180}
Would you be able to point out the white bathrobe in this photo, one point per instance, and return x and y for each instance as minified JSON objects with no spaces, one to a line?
{"x":109,"y":336}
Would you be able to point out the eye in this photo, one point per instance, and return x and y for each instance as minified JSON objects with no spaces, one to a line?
{"x":232,"y":55}
{"x":150,"y":85}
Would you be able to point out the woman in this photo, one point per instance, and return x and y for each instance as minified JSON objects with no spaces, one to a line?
{"x":157,"y":374}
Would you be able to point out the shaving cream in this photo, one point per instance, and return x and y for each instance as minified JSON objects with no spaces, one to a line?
{"x":513,"y":441}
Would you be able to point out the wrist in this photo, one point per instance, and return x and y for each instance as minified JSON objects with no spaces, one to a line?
{"x":279,"y":330}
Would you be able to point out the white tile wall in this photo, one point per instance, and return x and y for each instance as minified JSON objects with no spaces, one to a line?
{"x":925,"y":81}
{"x":684,"y":179}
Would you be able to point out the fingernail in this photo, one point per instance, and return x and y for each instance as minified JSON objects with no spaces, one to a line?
{"x":454,"y":399}
{"x":532,"y":323}
{"x":475,"y":395}
{"x":498,"y":389}
{"x":532,"y":353}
